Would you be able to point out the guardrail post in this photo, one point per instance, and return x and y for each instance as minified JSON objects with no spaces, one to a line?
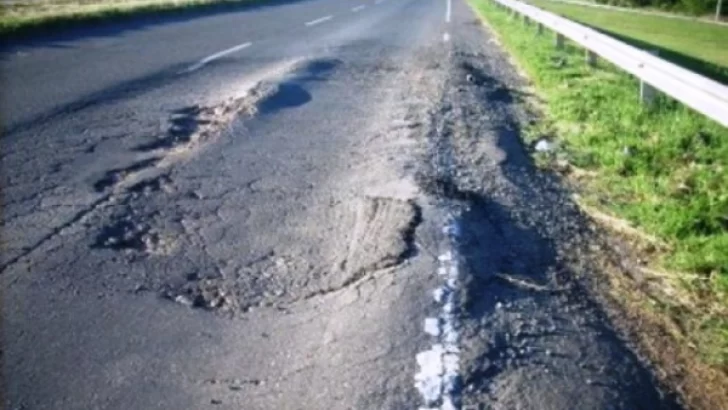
{"x":540,"y":29}
{"x":591,"y":58}
{"x":526,"y":20}
{"x":559,"y":41}
{"x":648,"y":92}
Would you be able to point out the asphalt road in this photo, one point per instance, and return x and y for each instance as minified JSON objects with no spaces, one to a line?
{"x":317,"y":204}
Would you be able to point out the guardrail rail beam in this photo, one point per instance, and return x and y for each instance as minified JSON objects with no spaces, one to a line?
{"x":698,"y":92}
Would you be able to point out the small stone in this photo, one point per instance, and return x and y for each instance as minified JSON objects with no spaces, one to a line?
{"x":215,"y":401}
{"x":562,"y":165}
{"x":498,"y":306}
{"x":548,"y":352}
{"x":184,"y":300}
{"x":589,"y":381}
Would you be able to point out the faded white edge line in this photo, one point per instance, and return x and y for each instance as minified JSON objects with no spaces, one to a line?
{"x":358,"y":8}
{"x":438,"y":377}
{"x":215,"y":56}
{"x":446,"y":37}
{"x":448,"y":12}
{"x":319,"y":21}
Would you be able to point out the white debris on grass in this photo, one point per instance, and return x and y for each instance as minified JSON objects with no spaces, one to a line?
{"x":544,"y":146}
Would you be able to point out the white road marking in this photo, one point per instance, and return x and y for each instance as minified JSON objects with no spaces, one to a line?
{"x":438,"y":378}
{"x":358,"y":8}
{"x":217,"y":55}
{"x":319,"y":21}
{"x":448,"y":13}
{"x":446,"y":37}
{"x":432,"y":326}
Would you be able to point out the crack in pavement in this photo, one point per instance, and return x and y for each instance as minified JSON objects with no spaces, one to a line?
{"x":79,"y":216}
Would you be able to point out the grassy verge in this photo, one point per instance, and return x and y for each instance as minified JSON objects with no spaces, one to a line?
{"x":29,"y":16}
{"x":705,"y":11}
{"x":696,"y":45}
{"x":656,"y":174}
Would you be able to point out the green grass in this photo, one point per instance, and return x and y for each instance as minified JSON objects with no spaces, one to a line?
{"x":696,"y":45}
{"x":662,"y":168}
{"x":31,"y":16}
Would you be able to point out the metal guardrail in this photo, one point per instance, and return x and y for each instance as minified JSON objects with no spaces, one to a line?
{"x":702,"y":94}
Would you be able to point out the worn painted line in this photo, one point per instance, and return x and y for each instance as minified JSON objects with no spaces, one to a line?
{"x":358,"y":8}
{"x":215,"y":56}
{"x":319,"y":21}
{"x":448,"y":12}
{"x":438,"y":378}
{"x":446,"y":37}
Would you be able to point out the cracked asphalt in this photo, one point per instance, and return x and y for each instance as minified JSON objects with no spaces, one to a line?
{"x":246,"y":209}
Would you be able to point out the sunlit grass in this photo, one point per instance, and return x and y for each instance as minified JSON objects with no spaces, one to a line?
{"x":697,"y":45}
{"x":25,"y":15}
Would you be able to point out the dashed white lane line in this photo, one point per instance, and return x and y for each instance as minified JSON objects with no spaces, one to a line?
{"x":448,"y":12}
{"x":446,"y":37}
{"x":358,"y":8}
{"x":217,"y":55}
{"x":319,"y":21}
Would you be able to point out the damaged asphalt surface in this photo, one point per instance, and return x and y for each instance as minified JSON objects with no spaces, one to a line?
{"x":264,"y":232}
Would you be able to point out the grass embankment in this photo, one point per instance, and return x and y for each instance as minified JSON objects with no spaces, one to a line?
{"x":695,"y":9}
{"x":696,"y":45}
{"x":662,"y":170}
{"x":24,"y":16}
